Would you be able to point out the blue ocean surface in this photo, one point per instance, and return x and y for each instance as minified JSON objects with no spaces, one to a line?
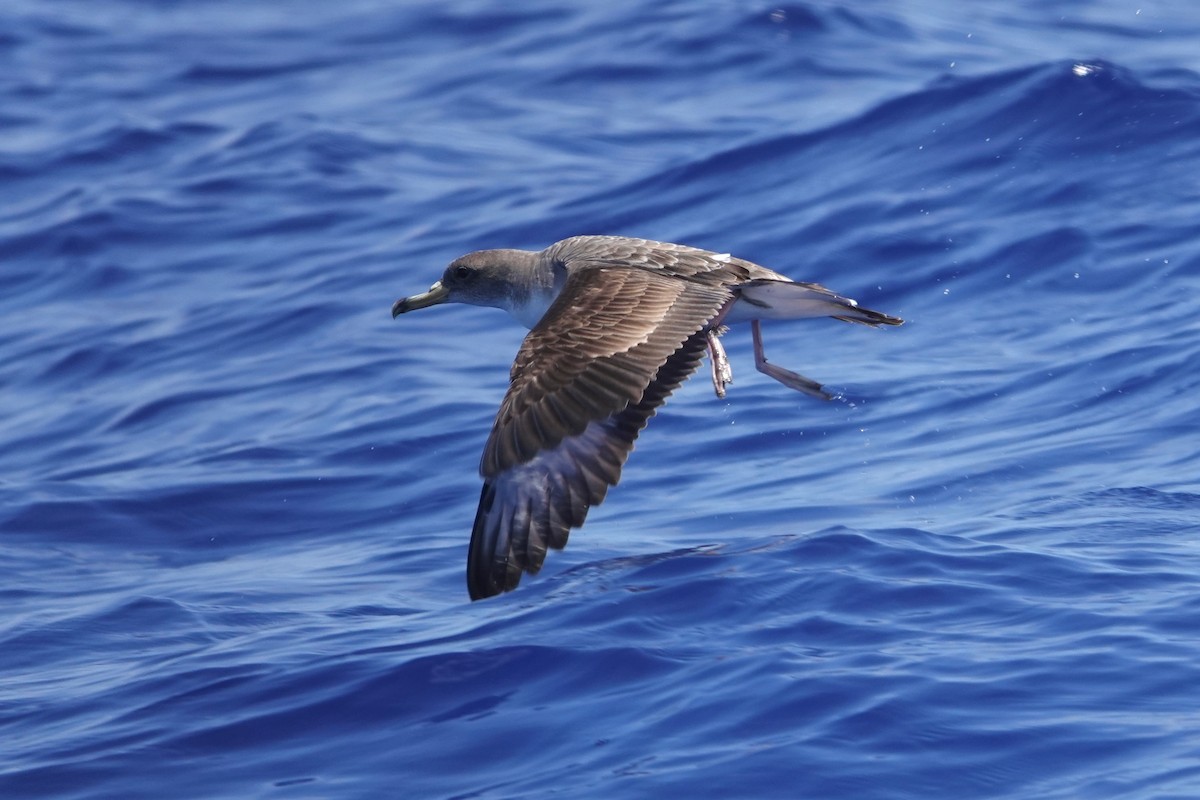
{"x":235,"y":495}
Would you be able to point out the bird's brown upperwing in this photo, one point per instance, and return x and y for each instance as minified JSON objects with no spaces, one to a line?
{"x":609,"y":350}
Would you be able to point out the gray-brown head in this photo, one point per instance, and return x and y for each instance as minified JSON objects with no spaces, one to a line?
{"x":494,"y":278}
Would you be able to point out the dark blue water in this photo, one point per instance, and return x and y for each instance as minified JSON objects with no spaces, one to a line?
{"x":235,"y":496}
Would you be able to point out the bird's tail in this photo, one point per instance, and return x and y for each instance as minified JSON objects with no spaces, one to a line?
{"x":787,"y":300}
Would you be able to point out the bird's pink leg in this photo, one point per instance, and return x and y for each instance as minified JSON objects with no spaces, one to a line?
{"x":784,"y":376}
{"x":722,"y":374}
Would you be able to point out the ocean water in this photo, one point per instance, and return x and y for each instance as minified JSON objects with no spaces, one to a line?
{"x":235,"y":495}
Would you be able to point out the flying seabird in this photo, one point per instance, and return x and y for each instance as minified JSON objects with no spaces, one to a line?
{"x":616,"y":325}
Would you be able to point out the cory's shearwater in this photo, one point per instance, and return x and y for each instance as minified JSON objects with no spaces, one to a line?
{"x":617,"y":324}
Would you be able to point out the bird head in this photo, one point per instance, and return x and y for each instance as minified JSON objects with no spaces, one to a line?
{"x":482,"y":278}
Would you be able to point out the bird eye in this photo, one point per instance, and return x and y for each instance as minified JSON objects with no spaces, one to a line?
{"x":462,"y":273}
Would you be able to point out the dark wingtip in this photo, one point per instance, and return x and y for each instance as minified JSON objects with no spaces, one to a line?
{"x":512,"y":539}
{"x":480,"y":583}
{"x":489,"y":571}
